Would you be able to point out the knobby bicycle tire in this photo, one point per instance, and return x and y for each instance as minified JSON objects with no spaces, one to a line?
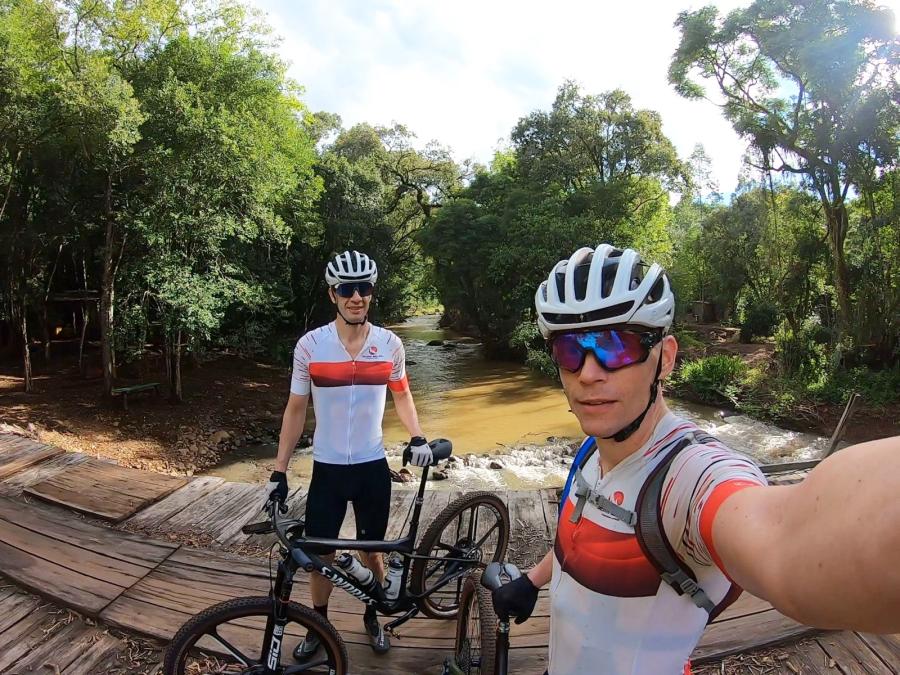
{"x":197,"y":627}
{"x":432,"y":537}
{"x":476,"y":600}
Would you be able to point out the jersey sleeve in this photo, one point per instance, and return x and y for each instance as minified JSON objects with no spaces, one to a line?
{"x":398,"y":380}
{"x":698,"y":482}
{"x":300,"y":375}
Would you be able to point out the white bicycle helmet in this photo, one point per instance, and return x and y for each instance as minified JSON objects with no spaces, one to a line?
{"x":603,"y":287}
{"x":350,"y":266}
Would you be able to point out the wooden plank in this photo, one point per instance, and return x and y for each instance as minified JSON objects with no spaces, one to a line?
{"x":745,"y":605}
{"x":156,"y":514}
{"x":80,"y":560}
{"x":747,"y":632}
{"x":852,"y":654}
{"x":886,"y":646}
{"x":807,"y":658}
{"x":91,"y":657}
{"x":550,"y":504}
{"x":64,"y":527}
{"x":789,"y":466}
{"x":245,"y":509}
{"x":58,"y":649}
{"x":401,"y":500}
{"x":105,"y":490}
{"x":21,"y":638}
{"x":16,"y":607}
{"x":13,"y":485}
{"x":197,"y":516}
{"x":79,"y":591}
{"x":36,"y":453}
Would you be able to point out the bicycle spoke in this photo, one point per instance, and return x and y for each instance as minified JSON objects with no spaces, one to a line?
{"x":487,"y":534}
{"x":231,"y":649}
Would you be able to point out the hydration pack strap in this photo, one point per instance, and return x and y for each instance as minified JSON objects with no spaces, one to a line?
{"x":584,"y":493}
{"x":652,"y":539}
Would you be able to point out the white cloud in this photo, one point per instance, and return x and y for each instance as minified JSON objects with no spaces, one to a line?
{"x":465,"y":72}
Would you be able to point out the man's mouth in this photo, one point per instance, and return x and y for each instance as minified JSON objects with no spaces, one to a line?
{"x":596,"y":402}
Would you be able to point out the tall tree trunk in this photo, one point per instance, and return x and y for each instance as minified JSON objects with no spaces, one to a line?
{"x":167,"y":351}
{"x":85,"y":317}
{"x":107,"y":294}
{"x":176,"y":383}
{"x":46,"y":302}
{"x":26,"y":351}
{"x":46,"y":329}
{"x":837,"y":232}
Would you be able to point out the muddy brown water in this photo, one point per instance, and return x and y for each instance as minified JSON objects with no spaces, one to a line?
{"x":501,"y":413}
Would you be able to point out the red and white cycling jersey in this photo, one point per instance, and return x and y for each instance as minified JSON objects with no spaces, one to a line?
{"x":610,"y":611}
{"x":348,"y":394}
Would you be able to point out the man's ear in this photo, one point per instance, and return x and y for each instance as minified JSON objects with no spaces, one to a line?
{"x":669,"y":352}
{"x":331,"y":296}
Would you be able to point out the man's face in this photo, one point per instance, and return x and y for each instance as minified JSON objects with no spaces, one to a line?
{"x":353,"y":309}
{"x":606,"y":401}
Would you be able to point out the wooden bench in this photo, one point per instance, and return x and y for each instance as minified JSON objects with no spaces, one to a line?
{"x":134,"y":389}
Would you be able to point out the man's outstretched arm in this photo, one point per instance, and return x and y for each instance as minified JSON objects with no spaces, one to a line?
{"x":825,"y":551}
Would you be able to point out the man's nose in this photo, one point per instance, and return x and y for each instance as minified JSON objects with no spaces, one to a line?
{"x":592,"y":371}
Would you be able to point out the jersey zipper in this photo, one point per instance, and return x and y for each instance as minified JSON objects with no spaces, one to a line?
{"x":350,"y":412}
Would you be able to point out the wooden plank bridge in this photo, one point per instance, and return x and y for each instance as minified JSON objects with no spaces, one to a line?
{"x":130,"y":579}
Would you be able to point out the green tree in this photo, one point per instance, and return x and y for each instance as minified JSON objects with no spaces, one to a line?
{"x":813,"y":86}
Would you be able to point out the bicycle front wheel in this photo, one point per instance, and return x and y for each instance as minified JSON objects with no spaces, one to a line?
{"x":228,"y":638}
{"x":474,"y":527}
{"x":476,"y":629}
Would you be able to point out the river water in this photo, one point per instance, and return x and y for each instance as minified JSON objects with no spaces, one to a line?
{"x":502,"y":414}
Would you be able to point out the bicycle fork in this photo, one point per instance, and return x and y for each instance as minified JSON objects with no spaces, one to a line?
{"x":276,"y":622}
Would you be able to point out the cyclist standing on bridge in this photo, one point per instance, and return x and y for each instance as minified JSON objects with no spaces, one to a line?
{"x":346,"y":366}
{"x":661,"y":525}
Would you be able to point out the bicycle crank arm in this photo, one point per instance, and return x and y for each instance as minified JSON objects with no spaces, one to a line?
{"x":389,"y":628}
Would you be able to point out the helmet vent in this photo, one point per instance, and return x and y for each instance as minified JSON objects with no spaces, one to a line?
{"x":596,"y":315}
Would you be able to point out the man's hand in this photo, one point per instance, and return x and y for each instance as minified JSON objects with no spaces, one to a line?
{"x":277,"y":489}
{"x":517,"y":598}
{"x":420,"y":451}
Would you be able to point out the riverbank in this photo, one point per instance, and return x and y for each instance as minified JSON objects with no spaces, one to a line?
{"x":714,"y":368}
{"x":233,"y":408}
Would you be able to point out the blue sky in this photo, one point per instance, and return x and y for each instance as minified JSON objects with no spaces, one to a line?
{"x":464,"y":72}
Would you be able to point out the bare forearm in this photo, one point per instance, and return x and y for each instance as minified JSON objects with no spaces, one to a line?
{"x":540,"y":574}
{"x":406,"y":411}
{"x":826,"y":549}
{"x":292,"y":423}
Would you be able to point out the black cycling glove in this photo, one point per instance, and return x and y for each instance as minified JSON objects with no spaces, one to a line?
{"x":517,"y":598}
{"x":278,"y":487}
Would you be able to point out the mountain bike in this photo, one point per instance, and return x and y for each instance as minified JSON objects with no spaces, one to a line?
{"x":482,"y":637}
{"x":250,"y":635}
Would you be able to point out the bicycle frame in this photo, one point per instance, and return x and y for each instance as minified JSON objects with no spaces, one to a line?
{"x":298,"y":553}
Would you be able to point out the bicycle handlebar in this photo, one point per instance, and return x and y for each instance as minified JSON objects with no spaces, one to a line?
{"x":497,"y":574}
{"x":441,"y":448}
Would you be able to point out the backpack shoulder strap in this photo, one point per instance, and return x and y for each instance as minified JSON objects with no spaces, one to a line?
{"x":651,"y":535}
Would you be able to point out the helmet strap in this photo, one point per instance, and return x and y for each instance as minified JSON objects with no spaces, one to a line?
{"x":352,"y":323}
{"x":625,"y":432}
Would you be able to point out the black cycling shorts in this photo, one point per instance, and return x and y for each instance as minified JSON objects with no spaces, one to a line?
{"x":367,"y":486}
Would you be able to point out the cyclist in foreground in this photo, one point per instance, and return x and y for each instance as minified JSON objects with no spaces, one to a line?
{"x":824,"y":551}
{"x":347,"y":366}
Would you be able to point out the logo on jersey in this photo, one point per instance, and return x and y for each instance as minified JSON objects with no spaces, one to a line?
{"x":373,"y":350}
{"x":618,"y":498}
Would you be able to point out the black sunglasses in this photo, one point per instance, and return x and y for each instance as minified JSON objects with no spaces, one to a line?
{"x":346,"y":290}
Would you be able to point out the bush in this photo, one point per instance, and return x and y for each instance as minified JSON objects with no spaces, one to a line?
{"x":713,"y":379}
{"x":760,"y":320}
{"x":878,"y":387}
{"x":528,"y":338}
{"x":802,"y":355}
